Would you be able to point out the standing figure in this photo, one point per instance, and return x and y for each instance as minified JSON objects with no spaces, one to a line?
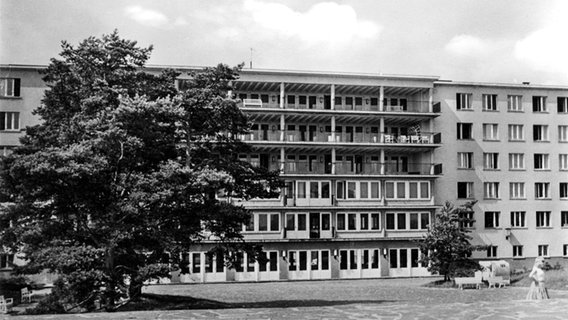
{"x":537,"y":290}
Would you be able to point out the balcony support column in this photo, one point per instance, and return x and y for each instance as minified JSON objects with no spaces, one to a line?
{"x":431,"y":162}
{"x":282,"y":95}
{"x":333,"y":129}
{"x":381,"y":98}
{"x":282,"y":128}
{"x":382,"y":129}
{"x":282,"y":159}
{"x":333,"y":161}
{"x":430,"y":100}
{"x":332,"y":97}
{"x":382,"y":161}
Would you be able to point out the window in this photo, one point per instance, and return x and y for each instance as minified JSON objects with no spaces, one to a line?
{"x":9,"y":87}
{"x":262,"y":222}
{"x":516,"y":132}
{"x":562,"y":104}
{"x":518,"y":219}
{"x":542,"y":190}
{"x":517,"y":190}
{"x":516,"y":161}
{"x":543,"y":250}
{"x":563,"y":133}
{"x":490,"y":131}
{"x":491,"y":161}
{"x":563,"y":190}
{"x":301,"y":222}
{"x":491,"y":251}
{"x":274,"y":222}
{"x":565,"y":251}
{"x":351,"y":221}
{"x":514,"y":103}
{"x":517,"y":251}
{"x":539,"y":104}
{"x":492,"y":219}
{"x":407,"y":190}
{"x":541,"y":161}
{"x":9,"y":121}
{"x":463,"y":101}
{"x":465,"y":160}
{"x":542,"y":219}
{"x":540,"y":132}
{"x":291,"y":222}
{"x":464,"y":131}
{"x":563,"y":161}
{"x":407,"y":221}
{"x":375,"y":221}
{"x":465,"y":190}
{"x":491,"y":190}
{"x":489,"y":102}
{"x":6,"y":260}
{"x":564,"y":219}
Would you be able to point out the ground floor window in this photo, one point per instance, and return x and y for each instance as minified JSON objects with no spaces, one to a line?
{"x":399,"y":258}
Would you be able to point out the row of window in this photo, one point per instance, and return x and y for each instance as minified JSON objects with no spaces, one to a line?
{"x":516,"y":132}
{"x":514,"y":103}
{"x":518,"y":219}
{"x":359,"y":189}
{"x":491,"y":160}
{"x":311,"y":100}
{"x":267,"y":222}
{"x":491,"y":190}
{"x":492,"y":251}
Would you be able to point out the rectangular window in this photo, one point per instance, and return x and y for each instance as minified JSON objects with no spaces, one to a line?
{"x":516,"y":161}
{"x":393,"y":258}
{"x":563,"y":190}
{"x":375,"y":221}
{"x":314,"y":190}
{"x":363,"y":190}
{"x":492,"y":219}
{"x":262,"y":222}
{"x":517,"y":251}
{"x":364,"y":220}
{"x":491,"y":161}
{"x":469,"y":222}
{"x":539,"y":104}
{"x":563,"y":161}
{"x":403,"y":258}
{"x":414,"y":221}
{"x":9,"y":87}
{"x":301,"y":222}
{"x":196,"y":268}
{"x":375,"y":190}
{"x":542,"y":219}
{"x":352,"y":221}
{"x":492,"y":252}
{"x":565,"y":251}
{"x":290,"y":222}
{"x":514,"y":103}
{"x":463,"y":101}
{"x":274,"y":222}
{"x":325,"y":260}
{"x":562,"y":133}
{"x":465,"y":160}
{"x":491,"y":190}
{"x":518,"y":219}
{"x":401,"y":221}
{"x":564,"y":219}
{"x":465,"y":190}
{"x":540,"y":132}
{"x":517,"y":190}
{"x":489,"y":102}
{"x":424,"y":220}
{"x":562,"y":104}
{"x":516,"y":132}
{"x":542,"y":190}
{"x":390,"y":221}
{"x":407,"y":190}
{"x":351,"y":190}
{"x":414,"y":256}
{"x":543,"y":250}
{"x":340,"y":221}
{"x":301,"y":189}
{"x":292,"y":261}
{"x":9,"y":121}
{"x":464,"y":131}
{"x":303,"y":260}
{"x":490,"y":131}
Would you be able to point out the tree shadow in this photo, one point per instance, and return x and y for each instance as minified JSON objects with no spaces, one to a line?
{"x":152,"y":301}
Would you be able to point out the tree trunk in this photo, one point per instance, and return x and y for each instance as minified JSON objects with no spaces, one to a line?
{"x":135,"y":288}
{"x":110,"y":290}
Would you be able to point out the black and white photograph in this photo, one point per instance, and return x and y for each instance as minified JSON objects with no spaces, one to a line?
{"x":283,"y":159}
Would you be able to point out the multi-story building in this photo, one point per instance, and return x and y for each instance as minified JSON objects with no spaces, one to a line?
{"x":362,"y":156}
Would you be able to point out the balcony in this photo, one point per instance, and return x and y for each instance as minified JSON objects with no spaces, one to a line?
{"x":347,"y":137}
{"x":373,"y":168}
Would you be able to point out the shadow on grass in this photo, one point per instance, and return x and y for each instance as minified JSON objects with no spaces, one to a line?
{"x":152,"y":301}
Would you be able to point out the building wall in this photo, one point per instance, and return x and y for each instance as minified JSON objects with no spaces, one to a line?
{"x":506,"y":235}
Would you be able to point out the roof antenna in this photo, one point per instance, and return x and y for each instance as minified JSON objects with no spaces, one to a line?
{"x":251,"y":58}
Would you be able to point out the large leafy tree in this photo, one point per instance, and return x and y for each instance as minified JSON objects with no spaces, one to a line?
{"x":446,"y":247}
{"x":123,"y":171}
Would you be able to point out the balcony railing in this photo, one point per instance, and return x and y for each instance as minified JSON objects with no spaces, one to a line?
{"x":410,"y":107}
{"x":373,"y":168}
{"x":317,"y":136}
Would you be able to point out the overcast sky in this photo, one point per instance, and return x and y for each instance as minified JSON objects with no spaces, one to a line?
{"x":481,"y":40}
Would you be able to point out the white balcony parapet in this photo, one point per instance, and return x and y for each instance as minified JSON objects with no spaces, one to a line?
{"x":252,"y":103}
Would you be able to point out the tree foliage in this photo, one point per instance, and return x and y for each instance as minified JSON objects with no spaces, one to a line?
{"x":120,"y":176}
{"x":446,"y":247}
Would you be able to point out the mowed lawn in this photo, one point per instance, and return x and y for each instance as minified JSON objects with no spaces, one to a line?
{"x":327,"y":293}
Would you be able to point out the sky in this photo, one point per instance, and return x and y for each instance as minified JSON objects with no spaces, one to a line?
{"x":505,"y":41}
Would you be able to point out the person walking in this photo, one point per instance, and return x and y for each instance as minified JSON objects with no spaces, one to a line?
{"x":537,"y":290}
